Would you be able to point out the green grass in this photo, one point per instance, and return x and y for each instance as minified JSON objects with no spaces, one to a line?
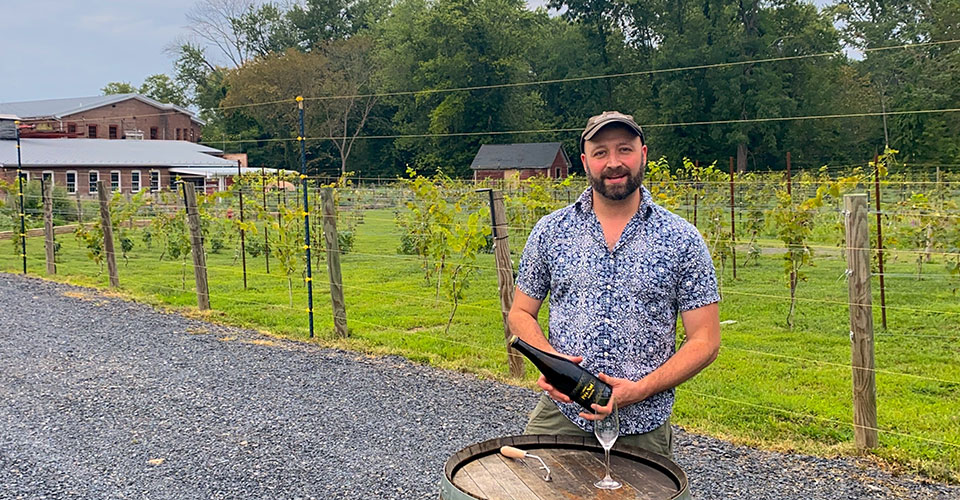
{"x":771,"y":386}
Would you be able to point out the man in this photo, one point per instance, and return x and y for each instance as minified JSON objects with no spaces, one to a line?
{"x":618,"y":269}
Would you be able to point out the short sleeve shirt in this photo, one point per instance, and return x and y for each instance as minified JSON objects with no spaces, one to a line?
{"x":618,"y":309}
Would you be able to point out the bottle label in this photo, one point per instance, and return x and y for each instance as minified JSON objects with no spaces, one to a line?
{"x":585,"y":389}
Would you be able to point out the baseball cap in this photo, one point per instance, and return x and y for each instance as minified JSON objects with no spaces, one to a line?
{"x":595,"y":123}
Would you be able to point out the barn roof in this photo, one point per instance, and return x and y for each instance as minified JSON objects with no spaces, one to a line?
{"x":536,"y":155}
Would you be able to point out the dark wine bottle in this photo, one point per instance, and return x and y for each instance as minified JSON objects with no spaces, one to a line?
{"x":568,"y":377}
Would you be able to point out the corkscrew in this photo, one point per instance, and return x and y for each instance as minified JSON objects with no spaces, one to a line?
{"x":510,"y":451}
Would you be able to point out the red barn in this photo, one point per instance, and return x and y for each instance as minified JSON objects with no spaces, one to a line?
{"x":521,"y":161}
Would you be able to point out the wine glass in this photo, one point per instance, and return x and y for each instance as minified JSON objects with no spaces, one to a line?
{"x":607,"y":431}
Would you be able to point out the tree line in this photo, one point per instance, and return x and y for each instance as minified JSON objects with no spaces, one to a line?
{"x":380,"y":67}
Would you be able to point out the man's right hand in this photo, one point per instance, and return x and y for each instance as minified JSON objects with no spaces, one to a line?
{"x":551,"y":390}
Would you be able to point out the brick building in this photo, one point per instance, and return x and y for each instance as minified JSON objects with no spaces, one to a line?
{"x":119,"y":116}
{"x":521,"y":161}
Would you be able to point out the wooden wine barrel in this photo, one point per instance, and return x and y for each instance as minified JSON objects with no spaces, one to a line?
{"x":479,"y":471}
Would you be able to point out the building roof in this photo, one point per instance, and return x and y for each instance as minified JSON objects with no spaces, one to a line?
{"x":517,"y":156}
{"x":59,"y":108}
{"x":214,"y":172}
{"x":110,"y":153}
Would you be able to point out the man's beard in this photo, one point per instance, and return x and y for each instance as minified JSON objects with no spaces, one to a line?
{"x":616,"y":192}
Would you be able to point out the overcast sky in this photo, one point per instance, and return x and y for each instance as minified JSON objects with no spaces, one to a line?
{"x":72,"y":48}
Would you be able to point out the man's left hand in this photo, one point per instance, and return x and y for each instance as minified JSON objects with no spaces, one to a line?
{"x":625,"y":392}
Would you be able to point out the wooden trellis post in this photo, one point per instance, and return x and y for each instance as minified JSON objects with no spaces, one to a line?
{"x":861,"y":321}
{"x":333,"y":262}
{"x":196,"y":246}
{"x":48,"y":241}
{"x":501,"y":250}
{"x":266,"y":225}
{"x":243,"y":233}
{"x":103,"y":188}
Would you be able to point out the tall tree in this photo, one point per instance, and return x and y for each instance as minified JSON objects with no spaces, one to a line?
{"x":264,"y":29}
{"x":736,"y":32}
{"x":449,"y":44}
{"x":339,"y":69}
{"x":914,"y":79}
{"x":602,"y":22}
{"x":162,"y":88}
{"x":201,"y":79}
{"x":348,"y":78}
{"x":113,"y":88}
{"x":214,"y":23}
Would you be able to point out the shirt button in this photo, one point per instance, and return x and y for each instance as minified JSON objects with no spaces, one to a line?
{"x":606,"y":354}
{"x":609,"y":287}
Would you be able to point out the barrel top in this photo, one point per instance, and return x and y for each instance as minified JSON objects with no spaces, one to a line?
{"x":479,"y":471}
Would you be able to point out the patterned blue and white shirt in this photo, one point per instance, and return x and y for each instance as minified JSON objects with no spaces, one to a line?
{"x":618,"y":309}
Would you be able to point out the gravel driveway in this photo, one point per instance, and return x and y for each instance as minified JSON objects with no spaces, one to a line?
{"x":104,"y":398}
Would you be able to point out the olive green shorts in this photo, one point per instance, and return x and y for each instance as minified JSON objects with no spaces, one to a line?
{"x":547,"y":419}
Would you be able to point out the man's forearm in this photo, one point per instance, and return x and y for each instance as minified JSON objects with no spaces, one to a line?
{"x":525,"y":326}
{"x":692,"y":357}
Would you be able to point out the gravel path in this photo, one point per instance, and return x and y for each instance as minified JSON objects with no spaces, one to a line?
{"x":103,"y":398}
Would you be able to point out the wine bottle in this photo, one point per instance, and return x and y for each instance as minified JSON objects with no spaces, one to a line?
{"x":566,"y":376}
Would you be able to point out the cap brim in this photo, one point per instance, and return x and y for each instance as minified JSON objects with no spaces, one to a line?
{"x":599,"y":125}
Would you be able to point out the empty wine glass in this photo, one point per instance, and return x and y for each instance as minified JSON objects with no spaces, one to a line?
{"x":607,"y":431}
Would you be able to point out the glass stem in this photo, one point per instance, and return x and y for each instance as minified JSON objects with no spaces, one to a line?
{"x":606,"y":453}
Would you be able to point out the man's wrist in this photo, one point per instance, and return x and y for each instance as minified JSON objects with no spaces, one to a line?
{"x":638,"y":392}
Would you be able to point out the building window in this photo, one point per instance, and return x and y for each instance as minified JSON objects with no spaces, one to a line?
{"x":92,"y":131}
{"x":93,"y":177}
{"x":113,"y":131}
{"x":135,"y":181}
{"x":558,"y":172}
{"x":154,"y":181}
{"x":71,"y":128}
{"x":47,"y":176}
{"x":71,"y":182}
{"x":153,"y":133}
{"x":115,"y":181}
{"x":178,"y":134}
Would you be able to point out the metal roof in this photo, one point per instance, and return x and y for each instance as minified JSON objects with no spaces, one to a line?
{"x":107,"y":152}
{"x":213,"y":172}
{"x":59,"y":108}
{"x":517,"y":156}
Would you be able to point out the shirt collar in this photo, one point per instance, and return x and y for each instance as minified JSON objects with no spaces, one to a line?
{"x":585,"y":202}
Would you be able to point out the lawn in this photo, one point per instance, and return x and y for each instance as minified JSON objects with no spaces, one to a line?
{"x":771,"y":386}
